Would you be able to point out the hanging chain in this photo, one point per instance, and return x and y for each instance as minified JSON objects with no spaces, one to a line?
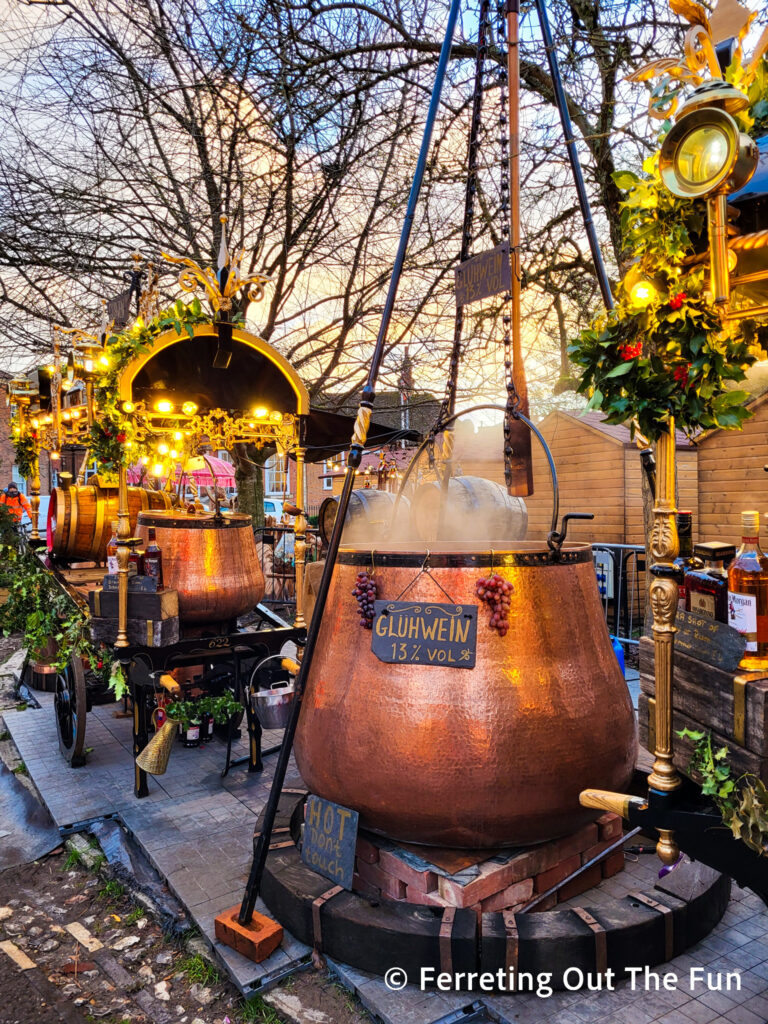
{"x":513,"y":402}
{"x":448,"y":406}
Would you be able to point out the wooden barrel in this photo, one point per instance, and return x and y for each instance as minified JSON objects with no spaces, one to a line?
{"x":369,"y":515}
{"x":476,"y":511}
{"x":80,"y":518}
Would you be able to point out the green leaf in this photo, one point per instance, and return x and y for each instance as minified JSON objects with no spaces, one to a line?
{"x":621,"y":369}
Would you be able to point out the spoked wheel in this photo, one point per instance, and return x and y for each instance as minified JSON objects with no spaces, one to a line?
{"x":70,"y":703}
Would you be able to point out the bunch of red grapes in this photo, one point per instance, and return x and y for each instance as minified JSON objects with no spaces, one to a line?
{"x":496,"y":592}
{"x":365,"y":592}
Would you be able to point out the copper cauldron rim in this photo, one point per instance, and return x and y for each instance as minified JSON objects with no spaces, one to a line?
{"x":193,"y":520}
{"x":454,"y":555}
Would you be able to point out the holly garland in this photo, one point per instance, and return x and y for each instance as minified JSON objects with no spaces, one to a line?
{"x":25,"y":453}
{"x":114,"y":437}
{"x":664,"y":350}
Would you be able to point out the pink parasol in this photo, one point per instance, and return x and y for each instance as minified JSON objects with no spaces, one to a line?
{"x":200,"y":468}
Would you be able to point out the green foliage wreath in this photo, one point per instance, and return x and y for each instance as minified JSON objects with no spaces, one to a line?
{"x":664,"y":350}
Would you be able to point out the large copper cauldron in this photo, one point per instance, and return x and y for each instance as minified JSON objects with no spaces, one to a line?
{"x":490,"y":756}
{"x":211,"y":561}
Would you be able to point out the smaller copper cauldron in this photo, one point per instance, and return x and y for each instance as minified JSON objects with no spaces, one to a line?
{"x":211,"y":560}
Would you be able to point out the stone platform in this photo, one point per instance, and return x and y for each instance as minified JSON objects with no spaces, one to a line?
{"x":197,"y":830}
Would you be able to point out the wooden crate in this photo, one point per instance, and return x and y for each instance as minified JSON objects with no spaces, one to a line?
{"x":141,"y":632}
{"x":732,"y":706}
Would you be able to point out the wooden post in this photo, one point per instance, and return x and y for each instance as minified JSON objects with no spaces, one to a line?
{"x":123,"y":551}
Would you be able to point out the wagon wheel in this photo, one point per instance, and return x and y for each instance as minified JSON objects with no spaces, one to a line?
{"x":70,"y":703}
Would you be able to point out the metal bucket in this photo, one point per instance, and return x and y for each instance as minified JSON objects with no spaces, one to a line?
{"x":272,"y":707}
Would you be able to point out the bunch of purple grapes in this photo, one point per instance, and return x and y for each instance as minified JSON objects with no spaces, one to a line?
{"x":496,"y":592}
{"x":365,"y":592}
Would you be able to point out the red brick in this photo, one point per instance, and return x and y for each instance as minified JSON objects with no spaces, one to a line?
{"x":513,"y":896}
{"x":546,"y":904}
{"x":255,"y":940}
{"x":492,"y":879}
{"x":595,"y":850}
{"x":424,"y":881}
{"x":424,"y":899}
{"x":577,"y":842}
{"x":364,"y":888}
{"x":366,"y":852}
{"x":613,"y":865}
{"x":389,"y":885}
{"x":587,"y":880}
{"x":556,"y":874}
{"x":610,"y":825}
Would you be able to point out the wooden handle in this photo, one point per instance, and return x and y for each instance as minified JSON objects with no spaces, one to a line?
{"x":169,"y":683}
{"x":603,"y":800}
{"x":289,"y":665}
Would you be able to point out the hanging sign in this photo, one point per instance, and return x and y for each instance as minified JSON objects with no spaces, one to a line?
{"x":483,"y":275}
{"x":410,"y":633}
{"x":330,"y":837}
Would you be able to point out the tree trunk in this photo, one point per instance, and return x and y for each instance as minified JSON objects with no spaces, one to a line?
{"x":249,"y":478}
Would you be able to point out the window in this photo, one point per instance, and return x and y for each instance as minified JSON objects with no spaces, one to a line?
{"x":275,"y":478}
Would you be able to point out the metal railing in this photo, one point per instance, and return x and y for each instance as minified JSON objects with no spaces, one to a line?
{"x":620,"y":571}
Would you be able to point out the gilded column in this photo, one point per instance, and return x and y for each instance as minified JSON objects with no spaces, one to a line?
{"x":664,"y":594}
{"x":300,"y":541}
{"x":123,"y":551}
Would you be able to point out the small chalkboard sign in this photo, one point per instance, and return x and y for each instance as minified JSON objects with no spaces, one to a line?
{"x":330,"y":837}
{"x":407,"y":633}
{"x":483,"y":275}
{"x":709,"y":640}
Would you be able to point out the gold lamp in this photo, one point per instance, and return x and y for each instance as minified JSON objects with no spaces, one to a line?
{"x":705,"y":152}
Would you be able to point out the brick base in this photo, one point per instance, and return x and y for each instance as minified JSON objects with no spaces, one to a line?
{"x":504,"y":881}
{"x":255,"y":940}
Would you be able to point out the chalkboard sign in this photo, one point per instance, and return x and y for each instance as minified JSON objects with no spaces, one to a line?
{"x":483,"y":275}
{"x":708,"y":640}
{"x":330,"y":837}
{"x":407,"y":633}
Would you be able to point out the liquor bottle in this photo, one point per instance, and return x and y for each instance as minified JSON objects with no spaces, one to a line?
{"x":136,"y":562}
{"x":206,"y":727}
{"x":192,"y":734}
{"x":153,"y":559}
{"x":707,"y":588}
{"x":112,"y":552}
{"x":685,"y":559}
{"x":748,"y":594}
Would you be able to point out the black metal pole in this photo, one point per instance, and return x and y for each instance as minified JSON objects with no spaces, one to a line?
{"x":356,"y":448}
{"x":573,"y":156}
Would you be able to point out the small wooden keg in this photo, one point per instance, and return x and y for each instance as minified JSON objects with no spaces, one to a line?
{"x":471,"y":510}
{"x":80,"y":518}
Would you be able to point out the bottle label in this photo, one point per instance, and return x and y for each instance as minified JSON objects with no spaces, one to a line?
{"x":681,"y":592}
{"x":193,"y":732}
{"x":703,"y":604}
{"x":742,"y":615}
{"x":112,"y":564}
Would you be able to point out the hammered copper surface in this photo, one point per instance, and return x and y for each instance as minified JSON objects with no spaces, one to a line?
{"x":491,"y":756}
{"x":213,"y":565}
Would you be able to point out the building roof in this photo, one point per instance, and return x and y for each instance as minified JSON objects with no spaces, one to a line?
{"x":618,"y":431}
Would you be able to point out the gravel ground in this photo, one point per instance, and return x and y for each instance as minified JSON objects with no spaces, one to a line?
{"x":121,"y":968}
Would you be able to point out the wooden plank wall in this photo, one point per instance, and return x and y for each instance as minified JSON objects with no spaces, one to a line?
{"x":590,"y":472}
{"x":732,"y":478}
{"x":687,"y":490}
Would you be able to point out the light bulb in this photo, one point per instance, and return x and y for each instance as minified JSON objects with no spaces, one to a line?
{"x":189,"y":408}
{"x":128,"y":406}
{"x":164,"y":406}
{"x":174,"y":453}
{"x":157,"y":469}
{"x":162,"y":449}
{"x":178,"y":435}
{"x":104,"y":360}
{"x":260,"y":412}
